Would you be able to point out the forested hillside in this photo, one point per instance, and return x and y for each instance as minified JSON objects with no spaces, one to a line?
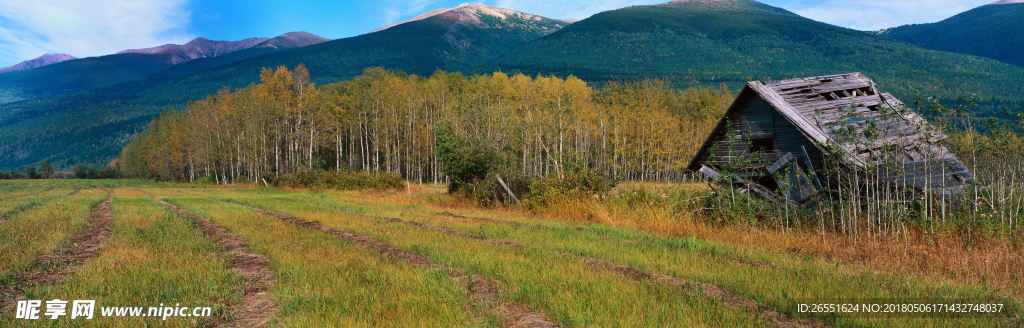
{"x":734,"y":41}
{"x":385,"y":121}
{"x":995,"y":31}
{"x":77,"y":75}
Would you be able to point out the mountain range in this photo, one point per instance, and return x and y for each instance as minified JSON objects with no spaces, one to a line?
{"x":688,"y":43}
{"x":70,"y":76}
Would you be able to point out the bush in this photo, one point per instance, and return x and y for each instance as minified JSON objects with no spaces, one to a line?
{"x":341,"y":180}
{"x":206,"y":180}
{"x":488,"y":191}
{"x":585,"y":181}
{"x":465,"y":163}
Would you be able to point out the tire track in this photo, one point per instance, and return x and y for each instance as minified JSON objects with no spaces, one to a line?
{"x":60,"y":265}
{"x":481,"y":290}
{"x":256,"y":307}
{"x":730,"y":300}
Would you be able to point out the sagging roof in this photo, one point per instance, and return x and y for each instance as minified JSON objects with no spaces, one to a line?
{"x":846,"y":115}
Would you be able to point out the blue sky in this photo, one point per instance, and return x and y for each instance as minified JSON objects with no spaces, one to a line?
{"x":30,"y":28}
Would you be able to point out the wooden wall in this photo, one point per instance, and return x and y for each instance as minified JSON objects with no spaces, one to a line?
{"x":753,"y":118}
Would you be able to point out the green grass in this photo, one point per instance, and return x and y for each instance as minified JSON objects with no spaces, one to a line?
{"x":787,"y":280}
{"x":28,"y":236}
{"x":34,"y":197}
{"x":154,"y":256}
{"x":322,"y":281}
{"x":151,"y":257}
{"x":560,"y":286}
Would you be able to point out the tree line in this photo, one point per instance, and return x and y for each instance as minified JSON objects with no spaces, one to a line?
{"x":46,"y":171}
{"x":384,"y":121}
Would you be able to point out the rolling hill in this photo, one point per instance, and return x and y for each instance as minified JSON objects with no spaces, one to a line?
{"x":91,"y":126}
{"x":77,"y":75}
{"x":734,"y":41}
{"x":995,"y":31}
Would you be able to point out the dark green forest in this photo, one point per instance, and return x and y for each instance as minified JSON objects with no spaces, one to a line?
{"x":992,"y":31}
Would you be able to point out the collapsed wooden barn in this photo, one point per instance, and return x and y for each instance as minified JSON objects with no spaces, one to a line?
{"x":776,"y":138}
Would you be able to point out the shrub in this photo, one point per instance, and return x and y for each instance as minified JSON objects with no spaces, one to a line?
{"x":488,"y":191}
{"x":206,"y":180}
{"x":578,"y":184}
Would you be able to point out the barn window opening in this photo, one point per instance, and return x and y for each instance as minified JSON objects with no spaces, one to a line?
{"x":762,"y":144}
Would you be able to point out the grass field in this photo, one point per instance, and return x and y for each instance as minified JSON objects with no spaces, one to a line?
{"x":269,"y":257}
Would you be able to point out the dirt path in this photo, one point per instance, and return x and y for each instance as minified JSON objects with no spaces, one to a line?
{"x":256,"y":308}
{"x":60,"y":265}
{"x":481,"y":290}
{"x":731,"y":300}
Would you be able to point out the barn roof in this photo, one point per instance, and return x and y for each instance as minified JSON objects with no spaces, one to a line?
{"x":846,"y":115}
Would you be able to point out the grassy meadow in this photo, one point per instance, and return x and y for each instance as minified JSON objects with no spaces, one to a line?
{"x":541,"y":261}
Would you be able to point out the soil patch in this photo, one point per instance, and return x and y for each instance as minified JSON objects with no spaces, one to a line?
{"x":63,"y":263}
{"x":256,"y":308}
{"x":481,"y":290}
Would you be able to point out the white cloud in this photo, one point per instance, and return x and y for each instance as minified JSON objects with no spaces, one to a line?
{"x":395,"y":10}
{"x":30,"y":28}
{"x":872,"y":15}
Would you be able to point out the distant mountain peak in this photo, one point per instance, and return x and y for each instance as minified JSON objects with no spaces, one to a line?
{"x":467,"y":13}
{"x":40,"y":61}
{"x":1006,"y":2}
{"x":197,"y":48}
{"x":293,"y":40}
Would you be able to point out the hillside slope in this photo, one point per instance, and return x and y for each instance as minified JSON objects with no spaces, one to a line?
{"x":451,"y":39}
{"x":47,"y":59}
{"x":995,"y":31}
{"x":77,"y":75}
{"x":734,"y":41}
